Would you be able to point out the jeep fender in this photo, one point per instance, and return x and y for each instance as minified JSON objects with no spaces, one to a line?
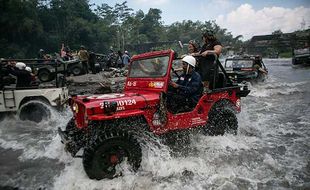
{"x":34,"y":98}
{"x":224,"y":103}
{"x":34,"y":109}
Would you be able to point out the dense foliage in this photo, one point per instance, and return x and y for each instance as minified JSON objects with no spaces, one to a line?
{"x":29,"y":25}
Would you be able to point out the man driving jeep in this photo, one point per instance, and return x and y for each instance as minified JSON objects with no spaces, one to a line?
{"x":185,"y":93}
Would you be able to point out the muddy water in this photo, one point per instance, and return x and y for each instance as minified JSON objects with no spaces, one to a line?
{"x":271,"y":150}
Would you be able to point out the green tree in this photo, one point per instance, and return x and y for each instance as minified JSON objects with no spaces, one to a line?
{"x":115,"y":17}
{"x":21,"y":29}
{"x":132,"y":26}
{"x":29,"y":25}
{"x":151,"y":25}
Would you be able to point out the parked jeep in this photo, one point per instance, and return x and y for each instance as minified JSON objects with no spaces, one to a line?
{"x":111,"y":127}
{"x":30,"y":103}
{"x":47,"y":72}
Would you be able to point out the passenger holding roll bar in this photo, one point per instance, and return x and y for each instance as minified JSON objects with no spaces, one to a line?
{"x":206,"y":63}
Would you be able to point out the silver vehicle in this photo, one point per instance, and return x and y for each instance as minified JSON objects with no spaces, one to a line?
{"x":30,"y":103}
{"x":301,"y":56}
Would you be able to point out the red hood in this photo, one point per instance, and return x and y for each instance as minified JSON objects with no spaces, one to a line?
{"x":125,"y":101}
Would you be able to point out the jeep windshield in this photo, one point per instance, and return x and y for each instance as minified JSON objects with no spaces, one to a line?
{"x":149,"y":68}
{"x":238,"y":63}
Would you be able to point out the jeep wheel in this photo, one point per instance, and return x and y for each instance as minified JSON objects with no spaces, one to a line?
{"x":44,"y":75}
{"x":34,"y":111}
{"x":112,"y":147}
{"x":222,"y":121}
{"x":76,"y":70}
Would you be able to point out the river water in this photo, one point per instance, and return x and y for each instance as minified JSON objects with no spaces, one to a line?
{"x":271,"y":150}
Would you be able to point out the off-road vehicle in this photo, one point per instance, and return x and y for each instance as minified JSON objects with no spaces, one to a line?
{"x":110,"y":127}
{"x":301,"y":56}
{"x":30,"y":103}
{"x":47,"y":72}
{"x":241,"y":69}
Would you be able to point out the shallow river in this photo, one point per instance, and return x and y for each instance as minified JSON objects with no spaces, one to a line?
{"x":271,"y":150}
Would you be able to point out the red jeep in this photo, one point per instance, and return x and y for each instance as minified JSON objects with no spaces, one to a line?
{"x":110,"y":127}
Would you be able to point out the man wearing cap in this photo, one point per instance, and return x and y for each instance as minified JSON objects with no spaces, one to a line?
{"x":186,"y":91}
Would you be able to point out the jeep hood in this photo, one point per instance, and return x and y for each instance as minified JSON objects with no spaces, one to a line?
{"x":95,"y":104}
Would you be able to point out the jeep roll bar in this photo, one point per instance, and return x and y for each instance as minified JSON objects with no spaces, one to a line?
{"x":218,"y":64}
{"x":224,"y":71}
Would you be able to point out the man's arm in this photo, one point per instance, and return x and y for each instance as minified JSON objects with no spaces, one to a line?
{"x":263,"y":70}
{"x":217,"y":50}
{"x":14,"y":71}
{"x":190,"y":89}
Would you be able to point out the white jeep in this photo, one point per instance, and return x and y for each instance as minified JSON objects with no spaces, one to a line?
{"x":32,"y":104}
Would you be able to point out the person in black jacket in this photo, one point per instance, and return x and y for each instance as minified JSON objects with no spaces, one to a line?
{"x":23,"y":76}
{"x":185,"y":93}
{"x":206,"y":66}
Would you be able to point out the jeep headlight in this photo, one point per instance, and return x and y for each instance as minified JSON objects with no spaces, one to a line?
{"x":75,"y":107}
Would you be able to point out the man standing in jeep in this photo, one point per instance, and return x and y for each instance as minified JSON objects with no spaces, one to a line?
{"x":187,"y":89}
{"x":206,"y":65}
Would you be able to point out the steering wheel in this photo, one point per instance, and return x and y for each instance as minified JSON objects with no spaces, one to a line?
{"x":176,"y":73}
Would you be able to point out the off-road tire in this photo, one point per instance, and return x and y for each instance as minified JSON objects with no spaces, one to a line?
{"x":111,"y":143}
{"x":76,"y":70}
{"x":44,"y":75}
{"x":222,"y":119}
{"x":34,"y":111}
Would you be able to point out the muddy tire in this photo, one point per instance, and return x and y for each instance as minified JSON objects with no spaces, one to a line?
{"x":222,"y":119}
{"x":110,"y":148}
{"x":34,"y":111}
